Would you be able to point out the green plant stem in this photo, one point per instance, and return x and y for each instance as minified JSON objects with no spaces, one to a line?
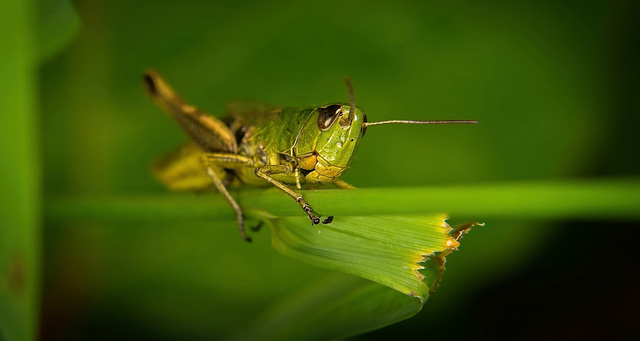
{"x":20,"y":194}
{"x":617,"y":199}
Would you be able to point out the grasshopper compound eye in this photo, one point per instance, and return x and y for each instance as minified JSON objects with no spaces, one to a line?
{"x":328,"y":115}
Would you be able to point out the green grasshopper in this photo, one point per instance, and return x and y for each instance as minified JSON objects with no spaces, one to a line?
{"x":258,"y":145}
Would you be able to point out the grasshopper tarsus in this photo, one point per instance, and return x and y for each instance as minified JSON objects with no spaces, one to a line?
{"x":243,"y":234}
{"x":328,"y":220}
{"x":257,"y":228}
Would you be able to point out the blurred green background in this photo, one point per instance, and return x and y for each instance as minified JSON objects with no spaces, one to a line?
{"x":553,"y":84}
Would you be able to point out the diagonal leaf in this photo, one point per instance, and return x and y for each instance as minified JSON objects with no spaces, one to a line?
{"x":58,"y":23}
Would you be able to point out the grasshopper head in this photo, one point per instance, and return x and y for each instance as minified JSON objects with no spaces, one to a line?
{"x":329,"y":141}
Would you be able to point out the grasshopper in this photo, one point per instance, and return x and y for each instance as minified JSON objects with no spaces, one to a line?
{"x":258,"y":144}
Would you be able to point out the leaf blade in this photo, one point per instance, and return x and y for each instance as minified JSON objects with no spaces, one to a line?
{"x":386,"y":249}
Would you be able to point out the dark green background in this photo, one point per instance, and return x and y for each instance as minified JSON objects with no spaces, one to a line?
{"x":553,"y":84}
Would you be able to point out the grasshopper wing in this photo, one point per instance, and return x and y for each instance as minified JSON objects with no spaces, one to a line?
{"x":252,"y":113}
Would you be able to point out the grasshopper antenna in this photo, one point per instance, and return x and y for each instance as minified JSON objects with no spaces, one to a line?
{"x":346,"y":121}
{"x":352,"y":99}
{"x":368,"y":124}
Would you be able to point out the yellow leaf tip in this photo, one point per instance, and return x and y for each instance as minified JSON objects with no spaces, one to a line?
{"x":452,"y":243}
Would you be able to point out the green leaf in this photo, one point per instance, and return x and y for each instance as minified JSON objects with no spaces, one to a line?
{"x":334,"y":307}
{"x":385,"y":249}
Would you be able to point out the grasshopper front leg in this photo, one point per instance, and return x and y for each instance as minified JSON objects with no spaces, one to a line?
{"x":265,"y":172}
{"x":262,"y":171}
